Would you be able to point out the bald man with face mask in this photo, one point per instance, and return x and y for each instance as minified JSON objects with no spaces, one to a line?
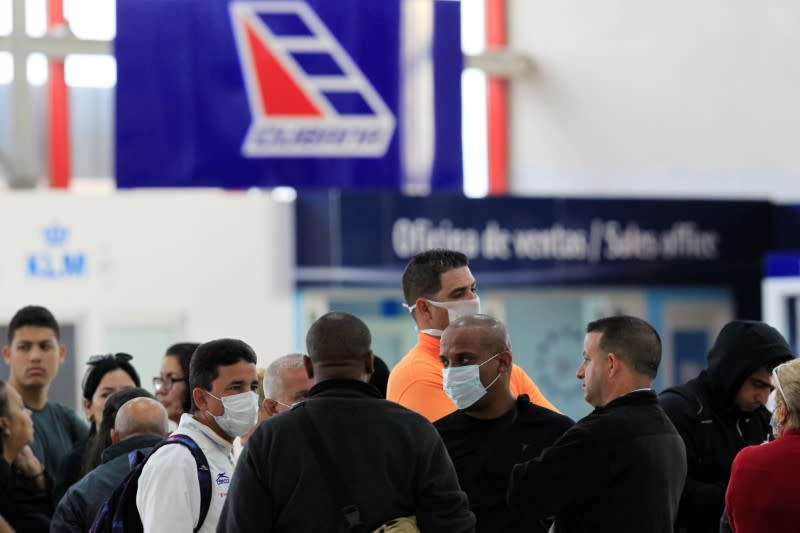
{"x":439,"y":288}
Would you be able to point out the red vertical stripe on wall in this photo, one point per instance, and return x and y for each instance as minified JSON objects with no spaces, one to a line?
{"x":497,"y":101}
{"x":58,"y":124}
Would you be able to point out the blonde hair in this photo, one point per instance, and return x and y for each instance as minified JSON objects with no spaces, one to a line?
{"x":788,"y":386}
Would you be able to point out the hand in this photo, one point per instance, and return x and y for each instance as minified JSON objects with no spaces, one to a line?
{"x":28,"y":464}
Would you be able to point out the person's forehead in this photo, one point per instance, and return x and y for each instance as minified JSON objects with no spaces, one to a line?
{"x":461,"y":340}
{"x":454,"y":279}
{"x":294,"y":376}
{"x":34,"y":334}
{"x":171,"y":365}
{"x":591,"y":341}
{"x":761,"y":374}
{"x":239,"y":371}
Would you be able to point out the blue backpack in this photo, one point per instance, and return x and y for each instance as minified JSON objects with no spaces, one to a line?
{"x":120,"y":515}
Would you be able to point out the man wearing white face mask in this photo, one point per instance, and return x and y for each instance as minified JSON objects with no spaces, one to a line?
{"x":223,"y":382}
{"x":493,"y":430}
{"x":439,"y":288}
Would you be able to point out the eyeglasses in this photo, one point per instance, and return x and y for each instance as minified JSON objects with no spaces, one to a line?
{"x":94,"y":360}
{"x":166,"y":382}
{"x":778,"y":384}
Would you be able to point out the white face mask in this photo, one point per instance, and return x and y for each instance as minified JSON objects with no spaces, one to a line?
{"x":463,"y":383}
{"x":455,"y":310}
{"x":239,"y":415}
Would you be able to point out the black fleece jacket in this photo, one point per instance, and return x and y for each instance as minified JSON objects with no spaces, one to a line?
{"x":619,"y":469}
{"x":391,"y":459}
{"x":712,"y":427}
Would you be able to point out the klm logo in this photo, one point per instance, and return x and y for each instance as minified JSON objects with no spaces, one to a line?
{"x":55,"y":260}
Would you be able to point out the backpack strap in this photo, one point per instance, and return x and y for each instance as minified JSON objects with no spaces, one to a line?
{"x":203,"y":471}
{"x":332,"y":475}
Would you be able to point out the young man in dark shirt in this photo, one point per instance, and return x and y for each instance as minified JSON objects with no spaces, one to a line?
{"x":492,"y":430}
{"x":34,"y":354}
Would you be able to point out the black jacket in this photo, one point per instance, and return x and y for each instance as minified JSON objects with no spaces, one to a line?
{"x":712,"y":427}
{"x":619,"y":469}
{"x":485,"y":451}
{"x":78,"y":508}
{"x":391,"y":459}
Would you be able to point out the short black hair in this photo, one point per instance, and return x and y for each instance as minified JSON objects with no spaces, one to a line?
{"x":102,"y":440}
{"x":338,"y":338}
{"x":184,"y":351}
{"x":422,"y":276}
{"x":209,"y":356}
{"x":631,"y":339}
{"x":33,"y":315}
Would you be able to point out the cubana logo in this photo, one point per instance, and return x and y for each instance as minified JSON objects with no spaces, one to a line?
{"x":307,"y":96}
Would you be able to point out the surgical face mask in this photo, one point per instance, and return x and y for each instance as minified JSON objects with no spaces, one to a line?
{"x":455,"y":310}
{"x":239,"y":415}
{"x":463,"y":383}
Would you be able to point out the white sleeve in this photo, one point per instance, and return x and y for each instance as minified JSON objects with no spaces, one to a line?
{"x":168,"y":497}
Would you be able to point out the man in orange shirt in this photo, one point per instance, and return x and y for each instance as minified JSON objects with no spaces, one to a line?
{"x":439,"y":288}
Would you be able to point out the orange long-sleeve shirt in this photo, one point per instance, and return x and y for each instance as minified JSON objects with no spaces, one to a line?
{"x":416,"y":382}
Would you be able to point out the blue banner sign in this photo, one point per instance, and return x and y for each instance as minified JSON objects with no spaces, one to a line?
{"x":304,"y":93}
{"x":369,"y":238}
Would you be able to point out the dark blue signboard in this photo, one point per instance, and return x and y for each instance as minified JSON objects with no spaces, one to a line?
{"x":361,"y":238}
{"x":307,"y":93}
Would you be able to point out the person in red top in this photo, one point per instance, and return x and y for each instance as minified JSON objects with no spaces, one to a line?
{"x":763,"y":492}
{"x":438,"y":288}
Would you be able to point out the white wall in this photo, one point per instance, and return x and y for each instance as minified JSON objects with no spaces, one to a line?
{"x":673,"y":97}
{"x":199,"y":265}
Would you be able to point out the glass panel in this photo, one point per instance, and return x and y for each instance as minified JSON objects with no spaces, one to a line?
{"x":92,"y":19}
{"x":36,"y":17}
{"x":37,"y":69}
{"x":6,"y":68}
{"x":146,"y":344}
{"x":5,"y":17}
{"x":90,"y":71}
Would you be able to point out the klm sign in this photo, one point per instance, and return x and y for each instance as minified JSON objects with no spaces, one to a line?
{"x":55,"y":260}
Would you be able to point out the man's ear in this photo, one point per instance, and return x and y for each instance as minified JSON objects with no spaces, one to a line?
{"x":4,"y":425}
{"x":423,"y":309}
{"x":6,"y":354}
{"x":199,"y":399}
{"x":62,"y":353}
{"x":309,"y":367}
{"x":505,"y":362}
{"x":115,"y":436}
{"x":614,"y":364}
{"x":270,"y":407}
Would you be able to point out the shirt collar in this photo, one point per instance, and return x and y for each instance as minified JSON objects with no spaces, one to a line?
{"x":189,"y":421}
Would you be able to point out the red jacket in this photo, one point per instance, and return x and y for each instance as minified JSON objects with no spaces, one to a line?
{"x":763,"y":492}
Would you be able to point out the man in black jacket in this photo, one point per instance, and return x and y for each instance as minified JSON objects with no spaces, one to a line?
{"x":720,"y":412}
{"x":139,"y":424}
{"x":390,"y":459}
{"x":622,"y":467}
{"x":492,"y":430}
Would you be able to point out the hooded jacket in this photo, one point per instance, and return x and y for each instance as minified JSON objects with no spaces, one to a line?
{"x":713,"y":428}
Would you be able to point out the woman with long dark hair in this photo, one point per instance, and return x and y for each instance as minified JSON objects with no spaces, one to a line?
{"x":172,"y":385}
{"x":106,"y":375}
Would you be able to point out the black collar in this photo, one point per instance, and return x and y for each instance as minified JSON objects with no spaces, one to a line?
{"x":344,"y":387}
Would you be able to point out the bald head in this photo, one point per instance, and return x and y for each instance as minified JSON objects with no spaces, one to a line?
{"x":338,"y":339}
{"x":493,"y":335}
{"x":141,"y":416}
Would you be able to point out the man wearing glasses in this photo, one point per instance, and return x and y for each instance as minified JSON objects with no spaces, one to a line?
{"x":720,"y":412}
